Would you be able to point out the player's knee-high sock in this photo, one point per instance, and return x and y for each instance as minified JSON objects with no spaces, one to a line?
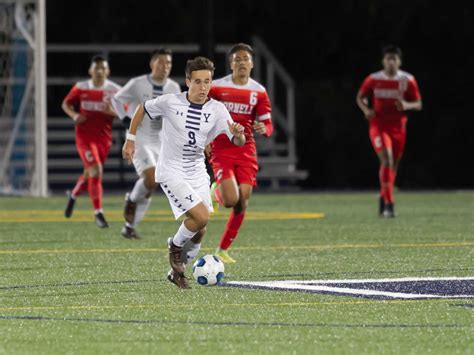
{"x":191,"y":249}
{"x":182,"y":235}
{"x":231,"y":229}
{"x":142,"y":206}
{"x":139,"y":191}
{"x":95,"y":192}
{"x":386,"y":183}
{"x":80,"y":187}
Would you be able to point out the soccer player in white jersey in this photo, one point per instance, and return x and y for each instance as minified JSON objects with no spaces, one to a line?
{"x":191,"y":121}
{"x":135,"y":92}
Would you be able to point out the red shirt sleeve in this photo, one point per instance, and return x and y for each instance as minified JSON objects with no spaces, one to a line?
{"x":263,"y":111}
{"x":367,"y":87}
{"x":413,"y":92}
{"x":72,"y":98}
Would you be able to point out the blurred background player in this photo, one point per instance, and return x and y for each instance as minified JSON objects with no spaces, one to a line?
{"x":392,"y":92}
{"x":135,"y":92}
{"x":190,"y":122}
{"x":88,"y":104}
{"x":235,"y":169}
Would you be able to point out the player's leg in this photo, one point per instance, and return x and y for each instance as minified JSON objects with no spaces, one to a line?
{"x":225,"y":189}
{"x":398,"y":138}
{"x":246,"y":175}
{"x":79,"y":188}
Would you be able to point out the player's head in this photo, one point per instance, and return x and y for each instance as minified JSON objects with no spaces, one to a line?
{"x":161,"y":61}
{"x":199,"y":72}
{"x":241,"y":59}
{"x":391,"y":59}
{"x":99,"y":68}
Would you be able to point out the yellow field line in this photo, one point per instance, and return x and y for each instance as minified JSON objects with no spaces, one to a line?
{"x":20,"y":216}
{"x":277,"y":304}
{"x":264,"y":248}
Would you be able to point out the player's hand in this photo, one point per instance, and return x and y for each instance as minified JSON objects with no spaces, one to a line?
{"x":259,"y":127}
{"x":79,"y":119}
{"x":236,"y":129}
{"x":128,"y":151}
{"x":109,"y":110}
{"x":401,"y":105}
{"x":369,"y":114}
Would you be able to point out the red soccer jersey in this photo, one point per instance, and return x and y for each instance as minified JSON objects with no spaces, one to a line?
{"x":385,"y":91}
{"x":91,"y":102}
{"x":246,"y":103}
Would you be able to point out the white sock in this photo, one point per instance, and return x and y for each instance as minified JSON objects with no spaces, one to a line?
{"x":142,"y":207}
{"x":182,"y":236}
{"x":139,"y":191}
{"x":191,"y":249}
{"x":100,"y":210}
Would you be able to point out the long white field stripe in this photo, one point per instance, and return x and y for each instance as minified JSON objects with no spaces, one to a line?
{"x":402,"y":279}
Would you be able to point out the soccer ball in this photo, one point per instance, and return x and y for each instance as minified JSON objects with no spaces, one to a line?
{"x":208,"y":270}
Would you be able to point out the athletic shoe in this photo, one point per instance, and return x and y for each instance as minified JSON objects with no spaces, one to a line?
{"x":176,"y":257}
{"x":381,"y":206}
{"x":224,"y":256}
{"x":178,"y":279}
{"x":129,"y":210}
{"x":70,"y":205}
{"x":389,"y":211}
{"x":129,"y":233}
{"x":215,"y":202}
{"x":100,"y":220}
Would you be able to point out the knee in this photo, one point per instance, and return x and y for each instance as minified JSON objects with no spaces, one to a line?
{"x":241,"y":206}
{"x":94,"y":171}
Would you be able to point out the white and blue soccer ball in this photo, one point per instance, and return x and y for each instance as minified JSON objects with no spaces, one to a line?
{"x":208,"y":270}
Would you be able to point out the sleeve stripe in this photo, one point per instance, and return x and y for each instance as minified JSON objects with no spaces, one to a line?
{"x":265,"y":116}
{"x":144,"y":107}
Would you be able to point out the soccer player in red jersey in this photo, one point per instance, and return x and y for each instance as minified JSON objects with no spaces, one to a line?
{"x":392,"y":92}
{"x":235,"y":168}
{"x":89,"y":105}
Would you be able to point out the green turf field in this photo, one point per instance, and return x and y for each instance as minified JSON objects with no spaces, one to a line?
{"x":68,"y":287}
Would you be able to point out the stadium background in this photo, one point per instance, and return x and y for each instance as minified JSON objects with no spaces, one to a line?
{"x":328,"y":48}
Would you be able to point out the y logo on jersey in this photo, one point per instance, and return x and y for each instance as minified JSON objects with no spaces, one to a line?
{"x":206,"y":116}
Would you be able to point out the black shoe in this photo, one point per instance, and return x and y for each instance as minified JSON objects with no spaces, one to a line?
{"x":381,"y":206}
{"x":100,"y":220}
{"x":389,"y":211}
{"x":129,"y":209}
{"x":129,"y":233}
{"x":176,"y":257}
{"x":70,"y":205}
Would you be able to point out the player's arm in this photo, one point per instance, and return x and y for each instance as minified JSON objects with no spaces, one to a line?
{"x":362,"y":98}
{"x":263,"y":122}
{"x":237,"y":131}
{"x":412,"y":100}
{"x":123,"y":97}
{"x":403,"y":105}
{"x":128,"y":149}
{"x":68,"y":106}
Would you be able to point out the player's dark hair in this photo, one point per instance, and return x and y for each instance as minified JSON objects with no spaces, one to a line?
{"x":391,"y":49}
{"x":160,"y":51}
{"x":198,"y":63}
{"x":98,"y":58}
{"x":240,"y":47}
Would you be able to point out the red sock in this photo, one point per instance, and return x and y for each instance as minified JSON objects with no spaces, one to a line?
{"x":81,"y":186}
{"x":386,"y":183}
{"x":231,"y":229}
{"x":95,"y":191}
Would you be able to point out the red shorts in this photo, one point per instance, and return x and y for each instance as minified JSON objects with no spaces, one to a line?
{"x":388,"y":136}
{"x":227,"y":168}
{"x":92,"y":153}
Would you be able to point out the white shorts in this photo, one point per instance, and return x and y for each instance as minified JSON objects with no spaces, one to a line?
{"x":184,"y":195}
{"x":145,"y":157}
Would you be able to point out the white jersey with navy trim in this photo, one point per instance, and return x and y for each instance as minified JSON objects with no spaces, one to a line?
{"x":135,"y":92}
{"x":187,"y":129}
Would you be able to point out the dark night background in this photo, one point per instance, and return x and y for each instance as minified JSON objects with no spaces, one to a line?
{"x":328,"y":48}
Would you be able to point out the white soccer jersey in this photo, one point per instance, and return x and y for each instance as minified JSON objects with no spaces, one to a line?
{"x":134,"y":93}
{"x":187,"y":129}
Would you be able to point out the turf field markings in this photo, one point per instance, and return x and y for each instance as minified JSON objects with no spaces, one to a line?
{"x":236,"y":323}
{"x":263,"y":248}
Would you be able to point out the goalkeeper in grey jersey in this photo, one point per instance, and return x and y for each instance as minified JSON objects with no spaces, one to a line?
{"x":125,"y":102}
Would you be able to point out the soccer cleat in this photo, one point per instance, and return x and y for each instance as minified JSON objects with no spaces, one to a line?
{"x":215,"y":202}
{"x":70,"y":205}
{"x":178,"y":279}
{"x":129,"y":233}
{"x":381,"y":205}
{"x":100,"y":220}
{"x":224,"y":256}
{"x":176,"y":257}
{"x":389,"y":211}
{"x":129,"y":209}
